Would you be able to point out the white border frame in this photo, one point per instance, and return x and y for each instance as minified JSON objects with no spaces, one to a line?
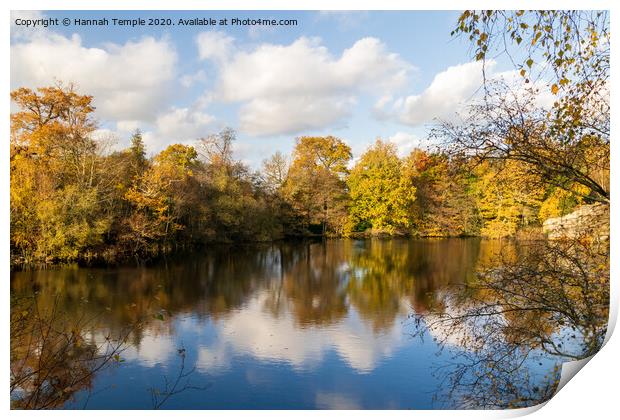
{"x":592,"y":394}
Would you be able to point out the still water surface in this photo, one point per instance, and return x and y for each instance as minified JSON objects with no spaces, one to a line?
{"x":312,"y":325}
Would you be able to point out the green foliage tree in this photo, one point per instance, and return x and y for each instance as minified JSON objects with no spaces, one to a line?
{"x":137,"y":150}
{"x":239,"y":205}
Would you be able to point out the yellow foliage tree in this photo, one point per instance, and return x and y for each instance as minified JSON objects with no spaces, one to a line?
{"x":381,"y":193}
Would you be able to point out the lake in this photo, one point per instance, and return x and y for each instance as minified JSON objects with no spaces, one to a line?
{"x":331,"y":324}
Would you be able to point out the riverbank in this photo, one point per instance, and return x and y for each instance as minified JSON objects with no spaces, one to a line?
{"x":587,"y":220}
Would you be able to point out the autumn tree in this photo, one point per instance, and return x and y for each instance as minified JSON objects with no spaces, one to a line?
{"x":566,"y":54}
{"x":56,"y":209}
{"x":163,"y":197}
{"x":315,"y":185}
{"x":558,"y":202}
{"x":239,"y":206}
{"x":381,"y":192}
{"x":275,"y":171}
{"x":444,"y":204}
{"x":508,"y":198}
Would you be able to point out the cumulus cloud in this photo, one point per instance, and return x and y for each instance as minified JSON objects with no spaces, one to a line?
{"x":183,"y":123}
{"x":451,"y":91}
{"x":447,"y":94}
{"x":285,"y":89}
{"x":128,"y":81}
{"x":214,"y":45}
{"x":175,"y":125}
{"x":263,"y":116}
{"x":128,"y":126}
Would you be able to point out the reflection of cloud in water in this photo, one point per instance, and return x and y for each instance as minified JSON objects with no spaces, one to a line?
{"x":213,"y":359}
{"x":442,"y":329}
{"x":256,"y":332}
{"x":154,"y":349}
{"x":333,"y":401}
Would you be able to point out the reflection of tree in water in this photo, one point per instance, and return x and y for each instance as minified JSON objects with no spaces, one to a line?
{"x":84,"y":317}
{"x":386,"y":272}
{"x":314,"y":283}
{"x":538,"y":302}
{"x":211,"y":285}
{"x":381,"y":278}
{"x":53,"y":356}
{"x":319,"y":281}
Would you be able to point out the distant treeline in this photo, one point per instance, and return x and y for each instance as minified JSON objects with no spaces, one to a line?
{"x":72,"y":199}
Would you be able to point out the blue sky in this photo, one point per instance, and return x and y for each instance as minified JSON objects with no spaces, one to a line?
{"x":355,"y":75}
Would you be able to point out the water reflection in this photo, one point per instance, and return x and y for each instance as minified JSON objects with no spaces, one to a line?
{"x":533,"y":302}
{"x":317,"y":324}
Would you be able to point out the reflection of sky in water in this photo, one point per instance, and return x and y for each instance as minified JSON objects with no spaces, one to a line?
{"x":270,"y":361}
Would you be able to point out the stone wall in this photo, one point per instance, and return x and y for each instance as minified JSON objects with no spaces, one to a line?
{"x":589,"y":220}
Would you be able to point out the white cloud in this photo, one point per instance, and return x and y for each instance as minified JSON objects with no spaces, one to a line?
{"x":128,"y":126}
{"x":188,"y":80}
{"x":214,"y":45}
{"x":285,"y":89}
{"x":183,"y":124}
{"x":154,"y":142}
{"x":452,"y":91}
{"x":21,"y":31}
{"x":447,"y":94}
{"x":128,"y":81}
{"x":265,"y":116}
